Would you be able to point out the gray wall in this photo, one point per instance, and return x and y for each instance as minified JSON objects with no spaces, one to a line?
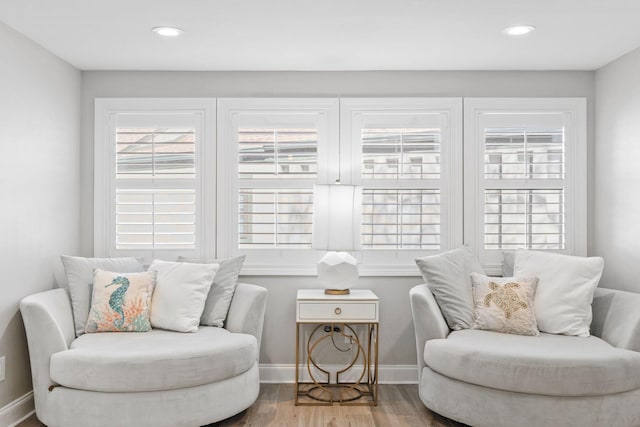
{"x":616,"y":231}
{"x":397,"y":345}
{"x":39,"y":184}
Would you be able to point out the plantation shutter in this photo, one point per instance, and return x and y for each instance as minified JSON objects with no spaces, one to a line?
{"x":400,"y":169}
{"x":157,"y":185}
{"x":523,"y":181}
{"x":277,"y":167}
{"x":525,"y":176}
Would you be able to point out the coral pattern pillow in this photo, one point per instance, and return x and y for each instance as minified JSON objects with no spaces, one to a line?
{"x":121,"y":302}
{"x":504,"y":304}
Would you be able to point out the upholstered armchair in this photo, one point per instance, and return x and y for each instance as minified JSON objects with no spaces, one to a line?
{"x":156,"y":378}
{"x":493,"y":379}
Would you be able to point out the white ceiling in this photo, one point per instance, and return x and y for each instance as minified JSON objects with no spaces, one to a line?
{"x":329,"y":34}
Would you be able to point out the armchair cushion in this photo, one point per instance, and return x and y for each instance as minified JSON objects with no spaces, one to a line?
{"x":565,"y":289}
{"x":546,"y":364}
{"x":156,"y":360}
{"x":448,"y":276}
{"x":180,"y":294}
{"x":224,"y":285}
{"x":79,"y":272}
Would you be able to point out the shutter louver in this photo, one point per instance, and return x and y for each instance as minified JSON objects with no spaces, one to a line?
{"x":393,"y":219}
{"x":277,"y":153}
{"x":401,"y":170}
{"x":400,"y":153}
{"x":155,"y":219}
{"x":524,"y":171}
{"x":532,"y":219}
{"x":156,"y":190}
{"x":277,"y":167}
{"x":156,"y":152}
{"x":275,"y":218}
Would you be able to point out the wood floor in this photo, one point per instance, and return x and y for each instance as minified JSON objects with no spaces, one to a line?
{"x":398,"y":406}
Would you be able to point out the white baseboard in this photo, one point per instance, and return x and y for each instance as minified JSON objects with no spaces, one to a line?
{"x":17,"y":411}
{"x":387,"y":374}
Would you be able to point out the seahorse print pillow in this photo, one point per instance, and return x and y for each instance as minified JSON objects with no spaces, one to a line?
{"x":121,"y":302}
{"x":504,"y":304}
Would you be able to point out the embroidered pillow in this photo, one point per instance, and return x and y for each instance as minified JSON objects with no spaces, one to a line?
{"x":504,"y":304}
{"x":121,"y":302}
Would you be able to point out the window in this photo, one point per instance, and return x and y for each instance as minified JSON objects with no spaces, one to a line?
{"x":406,"y":154}
{"x":217,"y":178}
{"x":149,"y":178}
{"x":525,"y":186}
{"x":275,"y":151}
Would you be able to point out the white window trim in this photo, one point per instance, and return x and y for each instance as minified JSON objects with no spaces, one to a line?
{"x":301,"y":262}
{"x":401,"y":262}
{"x":105,"y":179}
{"x":575,"y":112}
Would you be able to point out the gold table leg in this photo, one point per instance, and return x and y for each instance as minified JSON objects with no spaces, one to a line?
{"x":348,"y":393}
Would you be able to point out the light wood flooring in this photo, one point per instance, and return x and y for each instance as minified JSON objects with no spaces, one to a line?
{"x":398,"y":406}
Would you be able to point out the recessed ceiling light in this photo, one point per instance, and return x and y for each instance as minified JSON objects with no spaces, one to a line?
{"x":167,"y":31}
{"x":519,"y":30}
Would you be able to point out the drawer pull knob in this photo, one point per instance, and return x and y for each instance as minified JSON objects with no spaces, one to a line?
{"x":338,"y":310}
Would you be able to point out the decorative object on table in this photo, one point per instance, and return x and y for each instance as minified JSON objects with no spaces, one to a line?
{"x":337,"y":211}
{"x":121,"y":302}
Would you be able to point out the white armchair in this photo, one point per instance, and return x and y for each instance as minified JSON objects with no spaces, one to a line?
{"x":484,"y":378}
{"x":158,"y":378}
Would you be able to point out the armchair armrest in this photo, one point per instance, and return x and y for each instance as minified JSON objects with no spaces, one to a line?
{"x":428,"y":321}
{"x":246,"y":314}
{"x":616,"y":318}
{"x":48,"y":323}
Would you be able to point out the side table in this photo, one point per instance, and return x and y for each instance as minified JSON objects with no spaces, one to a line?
{"x":342,"y":319}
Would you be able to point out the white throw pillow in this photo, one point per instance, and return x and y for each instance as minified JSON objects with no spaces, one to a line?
{"x":508,"y":259}
{"x":224,"y":285}
{"x":448,"y":276}
{"x":565,"y":289}
{"x":180,"y":293}
{"x":79,"y":272}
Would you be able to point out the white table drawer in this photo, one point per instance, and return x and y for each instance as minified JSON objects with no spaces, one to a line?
{"x":338,"y":311}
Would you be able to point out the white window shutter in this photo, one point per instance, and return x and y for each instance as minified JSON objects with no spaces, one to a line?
{"x":153,"y":160}
{"x":524,"y":172}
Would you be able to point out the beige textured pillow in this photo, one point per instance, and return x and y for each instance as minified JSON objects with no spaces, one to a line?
{"x":504,"y":304}
{"x":121,"y":302}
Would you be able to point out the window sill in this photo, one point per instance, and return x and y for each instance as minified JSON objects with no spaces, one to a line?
{"x":408,"y":270}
